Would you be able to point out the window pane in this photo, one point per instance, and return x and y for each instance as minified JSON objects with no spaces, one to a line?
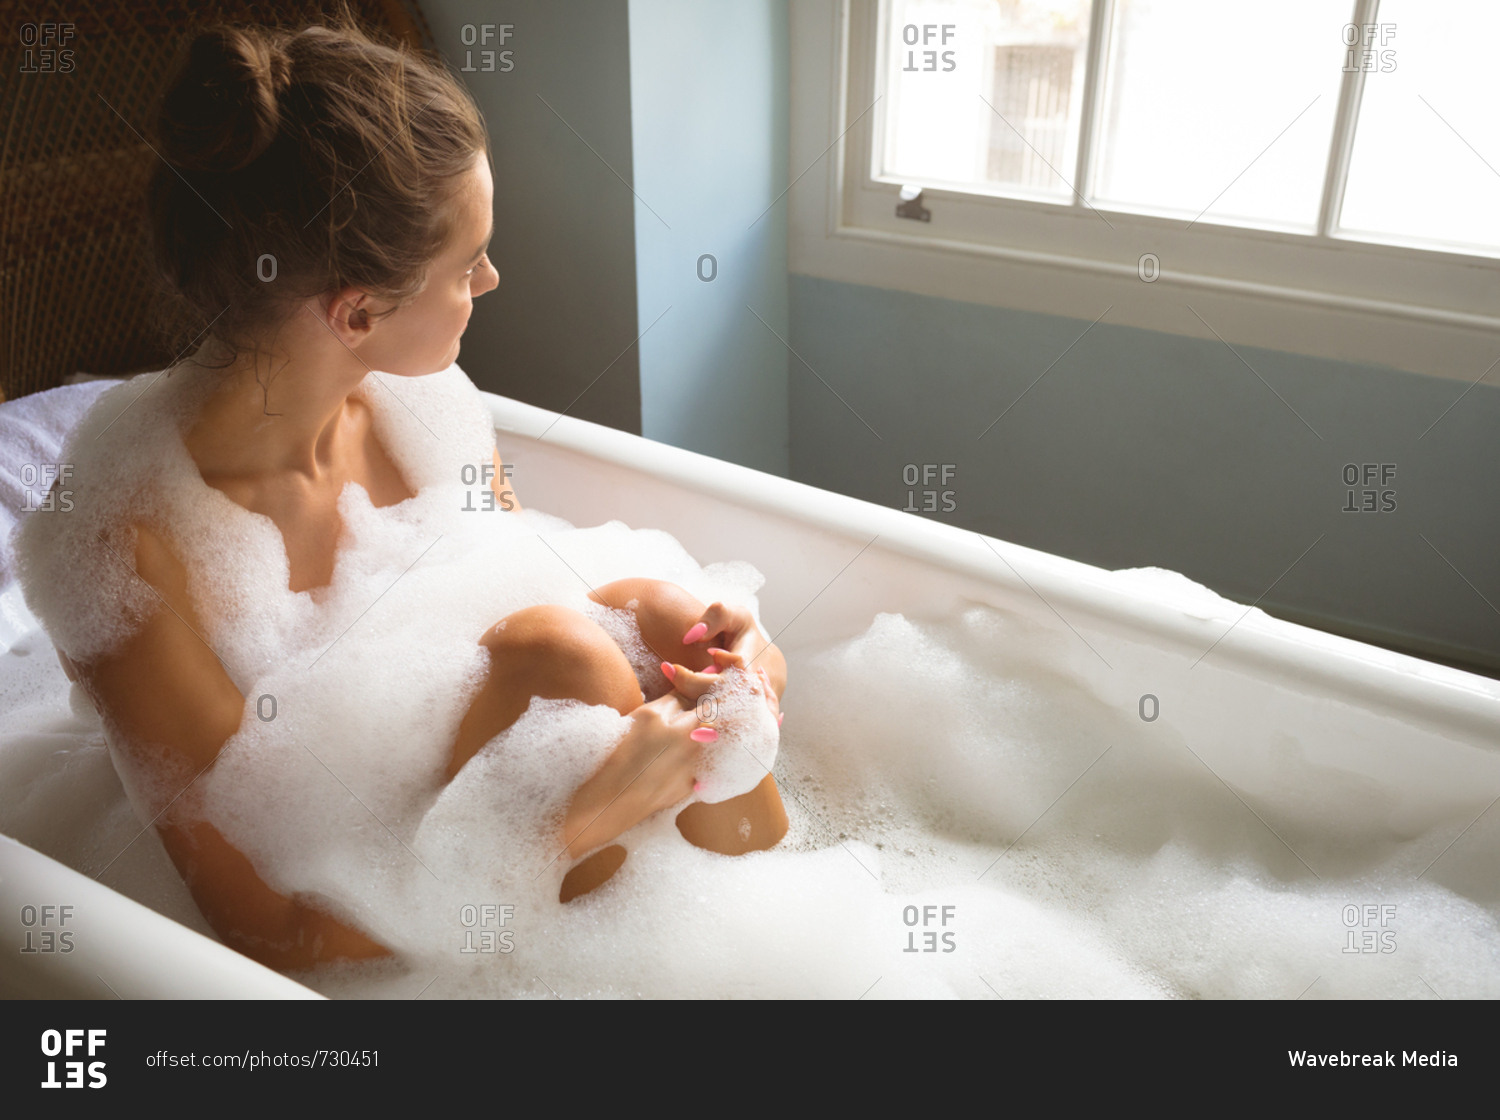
{"x":1223,"y":110}
{"x":1427,"y":147}
{"x":985,"y":92}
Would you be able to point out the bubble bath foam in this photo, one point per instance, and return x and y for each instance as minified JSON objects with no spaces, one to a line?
{"x":982,"y":801}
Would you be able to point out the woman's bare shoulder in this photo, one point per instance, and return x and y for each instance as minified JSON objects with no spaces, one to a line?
{"x":156,"y":562}
{"x":164,"y":686}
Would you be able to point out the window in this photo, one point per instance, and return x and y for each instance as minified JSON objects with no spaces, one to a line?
{"x":985,"y":95}
{"x":1312,"y":175}
{"x":1212,"y":113}
{"x":1426,"y":154}
{"x":1034,"y":83}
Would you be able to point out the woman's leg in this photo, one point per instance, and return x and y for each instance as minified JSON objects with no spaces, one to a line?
{"x":545,"y":651}
{"x":557,"y":654}
{"x":751,"y":822}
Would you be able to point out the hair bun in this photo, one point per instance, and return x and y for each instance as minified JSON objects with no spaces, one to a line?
{"x":221,"y":110}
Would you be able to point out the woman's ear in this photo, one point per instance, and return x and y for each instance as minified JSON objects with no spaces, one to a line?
{"x":347,"y":315}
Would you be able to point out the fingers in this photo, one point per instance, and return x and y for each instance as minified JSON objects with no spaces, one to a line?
{"x":694,"y":683}
{"x":723,"y":659}
{"x":691,"y":685}
{"x":720,"y":625}
{"x":764,"y":687}
{"x":686,"y":682}
{"x":710,"y":625}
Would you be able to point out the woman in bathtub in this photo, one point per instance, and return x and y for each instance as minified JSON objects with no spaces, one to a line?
{"x":378,"y":223}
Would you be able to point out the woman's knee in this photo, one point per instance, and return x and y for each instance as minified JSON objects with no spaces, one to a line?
{"x":560,"y":654}
{"x":664,"y":612}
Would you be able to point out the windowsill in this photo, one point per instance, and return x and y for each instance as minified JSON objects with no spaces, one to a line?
{"x":1391,"y":305}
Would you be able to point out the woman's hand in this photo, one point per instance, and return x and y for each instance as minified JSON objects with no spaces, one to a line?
{"x":679,"y":629}
{"x":733,"y":630}
{"x":652,"y":768}
{"x":692,"y":685}
{"x":726,"y":627}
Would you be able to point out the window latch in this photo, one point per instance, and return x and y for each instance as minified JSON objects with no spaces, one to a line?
{"x":909,"y":205}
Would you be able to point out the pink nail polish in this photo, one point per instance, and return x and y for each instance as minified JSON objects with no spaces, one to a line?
{"x":704,"y":735}
{"x":697,"y":786}
{"x":779,"y":717}
{"x":669,"y":670}
{"x":695,"y":634}
{"x":710,"y":670}
{"x":716,"y":649}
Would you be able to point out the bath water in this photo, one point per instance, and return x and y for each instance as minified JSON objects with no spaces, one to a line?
{"x":968,"y":817}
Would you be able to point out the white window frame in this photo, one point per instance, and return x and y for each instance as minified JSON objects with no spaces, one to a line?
{"x":1319,"y":294}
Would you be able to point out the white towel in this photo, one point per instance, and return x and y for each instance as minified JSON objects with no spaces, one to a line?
{"x":33,"y":430}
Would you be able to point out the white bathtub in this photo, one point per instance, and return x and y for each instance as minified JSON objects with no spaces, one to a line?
{"x":1424,"y":735}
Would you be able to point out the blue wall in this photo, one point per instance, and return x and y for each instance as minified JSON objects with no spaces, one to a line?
{"x":631,"y":138}
{"x":557,"y":332}
{"x":1146,"y":449}
{"x":709,"y":121}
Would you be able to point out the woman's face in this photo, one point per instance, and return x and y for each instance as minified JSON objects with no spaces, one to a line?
{"x":422,"y":337}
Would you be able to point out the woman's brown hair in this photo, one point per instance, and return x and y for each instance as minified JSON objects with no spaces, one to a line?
{"x":298,"y":163}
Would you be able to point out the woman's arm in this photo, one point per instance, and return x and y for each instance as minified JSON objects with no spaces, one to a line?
{"x":500,"y":486}
{"x":172,"y":706}
{"x":268,"y":927}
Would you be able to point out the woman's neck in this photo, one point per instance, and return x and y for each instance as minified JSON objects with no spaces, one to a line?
{"x":275,"y":413}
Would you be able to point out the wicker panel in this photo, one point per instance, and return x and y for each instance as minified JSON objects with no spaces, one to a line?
{"x":77,"y":290}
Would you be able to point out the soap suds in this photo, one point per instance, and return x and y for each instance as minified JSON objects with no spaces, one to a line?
{"x":968,"y":817}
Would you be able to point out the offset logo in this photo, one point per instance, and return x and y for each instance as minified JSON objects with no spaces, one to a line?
{"x":42,"y":496}
{"x":67,"y":1044}
{"x":482,"y":474}
{"x":484,"y":928}
{"x":926,"y":474}
{"x":46,"y":929}
{"x":926,"y":917}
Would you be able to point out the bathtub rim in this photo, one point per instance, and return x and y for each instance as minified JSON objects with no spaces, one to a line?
{"x":1382,"y":679}
{"x":146,"y":951}
{"x":1190,"y":617}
